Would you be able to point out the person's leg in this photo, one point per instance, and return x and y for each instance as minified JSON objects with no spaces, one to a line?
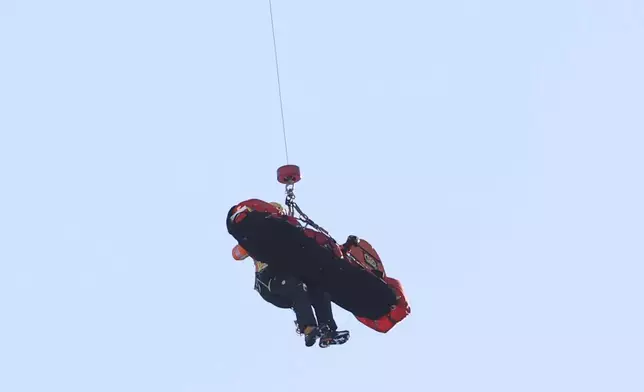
{"x":296,"y":290}
{"x":321,"y":302}
{"x":285,"y":291}
{"x":329,"y":334}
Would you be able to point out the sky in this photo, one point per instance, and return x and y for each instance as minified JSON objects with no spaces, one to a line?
{"x":490,"y":151}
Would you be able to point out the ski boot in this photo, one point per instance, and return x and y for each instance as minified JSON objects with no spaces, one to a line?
{"x":329,"y":337}
{"x":311,"y":334}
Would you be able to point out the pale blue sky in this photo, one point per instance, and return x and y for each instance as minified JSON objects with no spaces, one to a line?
{"x":491,"y":151}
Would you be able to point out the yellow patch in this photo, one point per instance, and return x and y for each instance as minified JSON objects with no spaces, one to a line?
{"x":259,"y":266}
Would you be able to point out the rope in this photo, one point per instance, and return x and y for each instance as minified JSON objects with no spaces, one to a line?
{"x":279,"y":85}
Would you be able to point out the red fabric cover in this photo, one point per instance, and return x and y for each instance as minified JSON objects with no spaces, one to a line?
{"x":324,"y":241}
{"x":261,"y":206}
{"x":397,"y":314}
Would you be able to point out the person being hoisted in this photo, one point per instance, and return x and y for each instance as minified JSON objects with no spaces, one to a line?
{"x":287,"y":292}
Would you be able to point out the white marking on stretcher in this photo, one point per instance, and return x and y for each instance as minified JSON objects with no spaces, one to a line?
{"x":239,"y":211}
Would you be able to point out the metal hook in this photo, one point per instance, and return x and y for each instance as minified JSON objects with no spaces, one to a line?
{"x":290,"y":196}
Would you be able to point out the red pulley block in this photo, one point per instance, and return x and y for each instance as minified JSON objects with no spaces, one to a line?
{"x":288,"y":174}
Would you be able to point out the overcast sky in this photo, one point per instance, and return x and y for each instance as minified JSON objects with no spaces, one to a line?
{"x":490,"y":151}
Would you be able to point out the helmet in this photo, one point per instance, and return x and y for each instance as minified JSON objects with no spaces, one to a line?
{"x":239,"y":253}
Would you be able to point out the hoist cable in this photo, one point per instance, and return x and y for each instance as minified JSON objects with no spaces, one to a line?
{"x":279,"y":85}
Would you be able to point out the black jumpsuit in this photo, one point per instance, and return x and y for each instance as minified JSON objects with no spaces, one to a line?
{"x":287,"y":292}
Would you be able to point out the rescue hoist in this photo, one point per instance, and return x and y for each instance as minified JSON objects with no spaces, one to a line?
{"x":289,"y":175}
